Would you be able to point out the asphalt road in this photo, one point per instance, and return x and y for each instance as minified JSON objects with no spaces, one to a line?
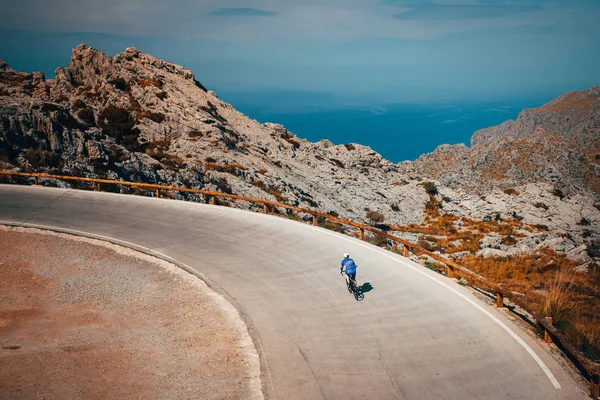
{"x":416,"y":335}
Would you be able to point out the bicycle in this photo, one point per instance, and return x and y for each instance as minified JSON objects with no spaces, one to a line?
{"x":352,"y":288}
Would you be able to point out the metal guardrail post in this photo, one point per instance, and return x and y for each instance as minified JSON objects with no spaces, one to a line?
{"x":157,"y":192}
{"x":499,"y":300}
{"x":547,"y":337}
{"x":362,"y":234}
{"x":314,"y":220}
{"x":265,"y":209}
{"x":595,"y":383}
{"x":405,"y":252}
{"x":97,"y":187}
{"x":213,"y":200}
{"x":449,"y":273}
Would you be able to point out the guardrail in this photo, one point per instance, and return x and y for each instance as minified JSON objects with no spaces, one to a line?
{"x":589,"y":370}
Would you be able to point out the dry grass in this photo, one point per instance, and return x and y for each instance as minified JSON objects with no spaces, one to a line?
{"x":272,"y":190}
{"x":233,"y":169}
{"x":553,"y":288}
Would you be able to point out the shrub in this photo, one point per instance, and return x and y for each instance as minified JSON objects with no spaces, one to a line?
{"x":223,"y":186}
{"x":378,"y":240}
{"x":195,"y":133}
{"x":558,"y":303}
{"x":272,"y":190}
{"x":510,"y":191}
{"x":212,"y":110}
{"x":338,"y":163}
{"x":541,"y":205}
{"x":152,"y":116}
{"x":349,"y":146}
{"x":162,"y":95}
{"x":150,"y":82}
{"x":47,"y":107}
{"x":558,"y":193}
{"x":584,"y":222}
{"x":210,"y":160}
{"x":118,"y":123}
{"x":119,"y":83}
{"x":509,"y":240}
{"x":39,"y":158}
{"x":66,"y":119}
{"x":430,"y":188}
{"x":375,"y":217}
{"x":87,"y":116}
{"x":262,"y":171}
{"x":77,"y":104}
{"x":395,"y":207}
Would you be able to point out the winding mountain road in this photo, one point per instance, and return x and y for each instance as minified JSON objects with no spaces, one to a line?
{"x":416,"y":335}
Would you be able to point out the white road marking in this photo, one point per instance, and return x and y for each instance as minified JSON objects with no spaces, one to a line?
{"x":420,"y":270}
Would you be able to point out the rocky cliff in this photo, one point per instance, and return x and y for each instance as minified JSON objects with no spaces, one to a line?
{"x":137,"y":118}
{"x":558,"y":143}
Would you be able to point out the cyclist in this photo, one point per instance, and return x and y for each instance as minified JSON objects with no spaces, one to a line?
{"x":349,"y":268}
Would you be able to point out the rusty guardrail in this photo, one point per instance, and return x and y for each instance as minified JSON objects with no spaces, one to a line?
{"x":589,"y":370}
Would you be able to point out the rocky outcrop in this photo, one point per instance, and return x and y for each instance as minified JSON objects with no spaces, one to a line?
{"x":137,"y":118}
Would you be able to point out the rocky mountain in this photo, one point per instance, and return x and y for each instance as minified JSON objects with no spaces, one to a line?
{"x":137,"y":118}
{"x":558,"y":143}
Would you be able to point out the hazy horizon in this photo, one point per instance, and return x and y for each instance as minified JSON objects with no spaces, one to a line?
{"x":309,"y":58}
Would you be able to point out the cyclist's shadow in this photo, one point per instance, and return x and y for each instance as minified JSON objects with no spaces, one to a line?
{"x":359,"y":294}
{"x":365,"y":287}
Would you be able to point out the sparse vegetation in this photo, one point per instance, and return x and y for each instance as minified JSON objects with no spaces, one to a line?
{"x":375,"y":217}
{"x":395,"y":207}
{"x":39,"y":158}
{"x":338,"y":163}
{"x":223,"y":186}
{"x":162,"y":95}
{"x":150,"y":82}
{"x":194,"y":133}
{"x":119,"y":83}
{"x":118,"y":123}
{"x":49,"y":107}
{"x":430,"y":188}
{"x":272,"y":190}
{"x":157,"y":117}
{"x":233,"y":168}
{"x":584,"y":222}
{"x":87,"y":116}
{"x":554,"y":289}
{"x":558,"y":193}
{"x":349,"y":146}
{"x":510,"y":191}
{"x":542,"y":206}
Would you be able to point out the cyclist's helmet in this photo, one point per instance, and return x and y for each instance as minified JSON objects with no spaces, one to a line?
{"x":346,"y":255}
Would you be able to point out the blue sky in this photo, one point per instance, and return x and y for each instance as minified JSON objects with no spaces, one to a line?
{"x":390,"y":50}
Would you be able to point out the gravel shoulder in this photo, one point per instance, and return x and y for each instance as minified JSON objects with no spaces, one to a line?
{"x":81,"y":318}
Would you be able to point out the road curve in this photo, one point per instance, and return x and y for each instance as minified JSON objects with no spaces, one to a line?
{"x":416,"y":335}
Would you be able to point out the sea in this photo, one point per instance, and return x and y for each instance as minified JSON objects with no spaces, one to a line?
{"x":398,"y":132}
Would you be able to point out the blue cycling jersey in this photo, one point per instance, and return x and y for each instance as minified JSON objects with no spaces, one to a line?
{"x":350,"y":265}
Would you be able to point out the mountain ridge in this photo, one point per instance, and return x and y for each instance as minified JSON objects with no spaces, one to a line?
{"x":135,"y":117}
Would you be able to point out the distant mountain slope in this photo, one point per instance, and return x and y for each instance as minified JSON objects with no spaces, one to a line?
{"x":137,"y":118}
{"x":558,"y":143}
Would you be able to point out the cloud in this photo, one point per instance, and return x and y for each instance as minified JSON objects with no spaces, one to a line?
{"x":243,"y":12}
{"x":424,"y":12}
